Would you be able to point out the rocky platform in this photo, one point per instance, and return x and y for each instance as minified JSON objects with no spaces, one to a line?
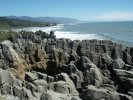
{"x":33,"y":67}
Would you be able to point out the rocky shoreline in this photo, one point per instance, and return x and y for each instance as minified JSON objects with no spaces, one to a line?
{"x":36,"y":67}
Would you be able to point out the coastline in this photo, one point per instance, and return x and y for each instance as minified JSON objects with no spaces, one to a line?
{"x":116,"y":32}
{"x":41,"y":64}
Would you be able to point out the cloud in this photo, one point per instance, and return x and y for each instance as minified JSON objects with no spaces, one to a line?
{"x":116,"y":16}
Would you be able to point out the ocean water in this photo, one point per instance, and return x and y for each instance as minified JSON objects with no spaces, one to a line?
{"x":121,"y":32}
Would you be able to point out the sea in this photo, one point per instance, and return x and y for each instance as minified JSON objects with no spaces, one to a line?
{"x":120,"y":32}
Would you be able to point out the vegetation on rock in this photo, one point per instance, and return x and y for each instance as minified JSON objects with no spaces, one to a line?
{"x":6,"y":23}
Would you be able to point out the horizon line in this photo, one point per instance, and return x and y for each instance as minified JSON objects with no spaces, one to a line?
{"x":71,"y":18}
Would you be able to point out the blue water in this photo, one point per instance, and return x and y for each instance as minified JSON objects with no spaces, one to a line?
{"x":121,"y":32}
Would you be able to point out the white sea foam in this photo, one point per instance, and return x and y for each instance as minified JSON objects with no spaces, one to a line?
{"x":63,"y":34}
{"x":45,"y":29}
{"x":76,"y":35}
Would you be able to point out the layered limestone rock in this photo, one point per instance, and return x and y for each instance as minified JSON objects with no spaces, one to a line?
{"x":38,"y":66}
{"x":93,"y":93}
{"x":13,"y":59}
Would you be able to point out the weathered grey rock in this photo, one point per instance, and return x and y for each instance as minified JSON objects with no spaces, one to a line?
{"x":6,"y":77}
{"x":107,"y":59}
{"x":17,"y":91}
{"x":93,"y":93}
{"x":73,"y":56}
{"x":37,"y":56}
{"x":127,"y":58}
{"x":75,"y":75}
{"x":13,"y":59}
{"x":6,"y":89}
{"x":18,"y":82}
{"x":50,"y":45}
{"x":74,"y":44}
{"x":50,"y":95}
{"x":26,"y":94}
{"x":75,"y":98}
{"x":8,"y":97}
{"x":41,"y":85}
{"x":50,"y":79}
{"x":94,"y":57}
{"x":101,"y":63}
{"x":115,"y":54}
{"x":62,"y":44}
{"x":60,"y":87}
{"x":80,"y":51}
{"x":42,"y":76}
{"x":118,"y":63}
{"x":30,"y":76}
{"x":40,"y":82}
{"x":46,"y":96}
{"x":126,"y":79}
{"x":64,"y":77}
{"x":31,"y":87}
{"x":93,"y":76}
{"x":81,"y":63}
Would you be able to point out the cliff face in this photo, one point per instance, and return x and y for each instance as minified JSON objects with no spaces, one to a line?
{"x":36,"y":68}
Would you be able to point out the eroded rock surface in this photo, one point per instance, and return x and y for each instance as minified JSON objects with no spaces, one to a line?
{"x":36,"y":67}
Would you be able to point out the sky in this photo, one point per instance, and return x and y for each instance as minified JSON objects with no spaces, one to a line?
{"x":86,"y":10}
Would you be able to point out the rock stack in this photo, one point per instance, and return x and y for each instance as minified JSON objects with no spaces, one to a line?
{"x":33,"y":67}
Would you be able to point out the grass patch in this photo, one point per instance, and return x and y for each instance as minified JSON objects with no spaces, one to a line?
{"x":5,"y":35}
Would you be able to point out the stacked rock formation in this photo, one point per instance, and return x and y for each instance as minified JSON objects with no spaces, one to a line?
{"x":33,"y":67}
